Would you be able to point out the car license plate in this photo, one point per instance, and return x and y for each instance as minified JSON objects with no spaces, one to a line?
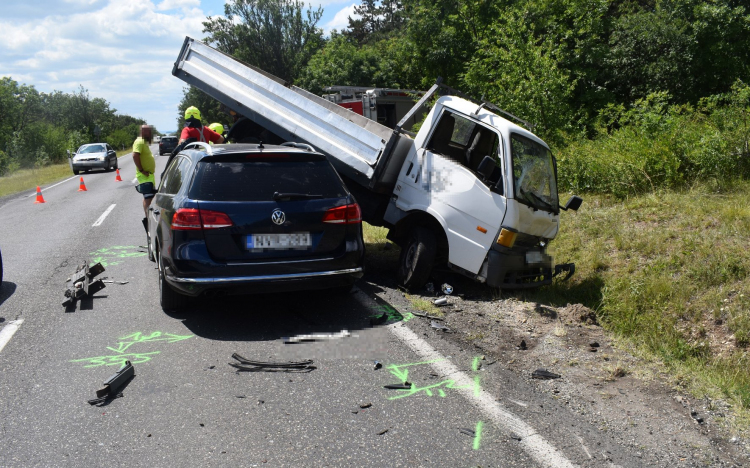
{"x":534,"y":257}
{"x":293,"y":240}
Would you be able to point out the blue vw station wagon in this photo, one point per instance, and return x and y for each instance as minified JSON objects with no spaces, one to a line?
{"x":248,"y":218}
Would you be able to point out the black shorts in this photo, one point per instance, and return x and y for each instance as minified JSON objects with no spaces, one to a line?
{"x":147,"y":189}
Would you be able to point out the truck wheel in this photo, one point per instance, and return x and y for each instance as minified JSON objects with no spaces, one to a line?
{"x":168,"y":297}
{"x":417,"y":257}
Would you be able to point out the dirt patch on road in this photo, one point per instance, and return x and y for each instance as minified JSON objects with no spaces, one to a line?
{"x":632,"y":400}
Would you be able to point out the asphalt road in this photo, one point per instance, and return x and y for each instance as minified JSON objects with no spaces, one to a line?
{"x":187,"y":407}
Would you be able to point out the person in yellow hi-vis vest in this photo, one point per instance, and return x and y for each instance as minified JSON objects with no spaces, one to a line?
{"x":144,"y":168}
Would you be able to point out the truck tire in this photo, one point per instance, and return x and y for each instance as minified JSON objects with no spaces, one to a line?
{"x":168,"y":297}
{"x":417,"y":257}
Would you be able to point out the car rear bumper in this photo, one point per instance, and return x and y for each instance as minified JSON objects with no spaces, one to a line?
{"x":265,"y":283}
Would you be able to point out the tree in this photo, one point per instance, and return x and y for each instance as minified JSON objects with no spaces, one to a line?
{"x":377,"y":20}
{"x":271,"y":34}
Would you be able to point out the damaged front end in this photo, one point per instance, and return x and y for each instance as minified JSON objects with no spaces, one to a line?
{"x":525,"y":264}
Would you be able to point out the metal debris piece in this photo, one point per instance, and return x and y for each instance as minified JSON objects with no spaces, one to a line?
{"x":316,"y":337}
{"x":544,"y":374}
{"x":466,"y":431}
{"x":439,"y":326}
{"x":441,"y":301}
{"x":365,"y":405}
{"x":383,"y":432}
{"x":378,"y":365}
{"x":260,"y":366}
{"x":447,"y":289}
{"x":427,"y":316}
{"x":80,"y":284}
{"x":111,"y":386}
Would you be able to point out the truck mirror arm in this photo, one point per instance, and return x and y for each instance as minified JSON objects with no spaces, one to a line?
{"x":573,"y":203}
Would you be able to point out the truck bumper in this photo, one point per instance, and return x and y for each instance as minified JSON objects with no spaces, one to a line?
{"x":510,"y":270}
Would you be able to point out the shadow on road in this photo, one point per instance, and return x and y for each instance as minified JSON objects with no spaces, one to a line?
{"x":264,"y":317}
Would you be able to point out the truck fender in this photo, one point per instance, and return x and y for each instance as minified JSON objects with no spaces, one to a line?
{"x":411,"y":219}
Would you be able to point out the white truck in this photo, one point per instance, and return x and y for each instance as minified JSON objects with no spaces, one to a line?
{"x":470,"y":190}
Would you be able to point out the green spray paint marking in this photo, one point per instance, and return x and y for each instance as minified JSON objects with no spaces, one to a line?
{"x":478,"y":435}
{"x":139,"y":337}
{"x":125,"y":343}
{"x":115,"y":255}
{"x":475,"y":364}
{"x":117,"y":360}
{"x":393,"y":314}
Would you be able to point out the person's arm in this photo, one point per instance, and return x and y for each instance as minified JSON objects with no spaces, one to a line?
{"x":137,"y":161}
{"x":183,"y":136}
{"x":220,"y":140}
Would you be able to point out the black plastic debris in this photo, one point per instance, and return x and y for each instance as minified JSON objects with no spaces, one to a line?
{"x":111,"y":386}
{"x":544,"y":374}
{"x":260,"y":366}
{"x":466,"y":431}
{"x":695,"y":416}
{"x":431,"y":317}
{"x":403,"y":386}
{"x":380,"y":320}
{"x":383,"y":432}
{"x":365,"y":405}
{"x":522,"y":346}
{"x":378,"y":365}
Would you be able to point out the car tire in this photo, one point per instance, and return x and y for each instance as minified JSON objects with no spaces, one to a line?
{"x":417,"y":258}
{"x":1,"y":270}
{"x":168,"y":297}
{"x":75,"y":171}
{"x":117,"y":164}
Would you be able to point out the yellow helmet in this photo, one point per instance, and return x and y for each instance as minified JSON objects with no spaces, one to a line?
{"x":217,"y":127}
{"x":192,"y":111}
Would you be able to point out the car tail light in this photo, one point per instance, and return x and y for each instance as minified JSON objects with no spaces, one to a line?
{"x":215,"y":219}
{"x":187,"y":219}
{"x":349,"y":214}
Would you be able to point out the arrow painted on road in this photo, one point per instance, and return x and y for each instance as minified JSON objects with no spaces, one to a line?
{"x":139,"y":337}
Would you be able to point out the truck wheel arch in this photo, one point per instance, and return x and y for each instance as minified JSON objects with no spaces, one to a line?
{"x":399,"y":233}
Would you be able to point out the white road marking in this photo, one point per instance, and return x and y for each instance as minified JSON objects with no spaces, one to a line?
{"x":104,"y":215}
{"x":7,"y":332}
{"x":135,"y":180}
{"x":534,"y":444}
{"x":51,"y":186}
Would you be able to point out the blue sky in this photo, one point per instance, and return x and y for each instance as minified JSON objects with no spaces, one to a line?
{"x":120,"y":50}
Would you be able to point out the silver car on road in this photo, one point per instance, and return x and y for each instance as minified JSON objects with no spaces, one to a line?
{"x":93,"y":156}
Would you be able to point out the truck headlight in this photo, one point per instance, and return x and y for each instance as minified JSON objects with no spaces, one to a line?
{"x":507,"y":238}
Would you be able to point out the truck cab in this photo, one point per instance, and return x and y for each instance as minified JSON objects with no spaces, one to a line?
{"x":478,"y":192}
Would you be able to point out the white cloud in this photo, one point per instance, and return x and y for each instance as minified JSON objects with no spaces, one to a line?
{"x":340,"y":20}
{"x":173,"y":4}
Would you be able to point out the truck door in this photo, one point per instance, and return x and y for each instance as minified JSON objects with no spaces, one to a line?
{"x":471,"y":208}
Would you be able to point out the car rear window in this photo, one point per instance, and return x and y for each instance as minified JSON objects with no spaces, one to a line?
{"x":259,"y":179}
{"x":169,"y":139}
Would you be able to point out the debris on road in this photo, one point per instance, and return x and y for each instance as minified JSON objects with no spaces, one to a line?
{"x":523,"y":346}
{"x":431,"y":317}
{"x":316,"y":337}
{"x":695,"y":416}
{"x":429,"y":287}
{"x":441,"y":301}
{"x":80,"y":284}
{"x":260,"y":366}
{"x":378,"y":365}
{"x":365,"y":405}
{"x":544,"y":374}
{"x":439,"y":326}
{"x":380,"y":320}
{"x":383,"y":432}
{"x":466,"y":431}
{"x":403,"y":386}
{"x":111,"y":386}
{"x":447,"y":289}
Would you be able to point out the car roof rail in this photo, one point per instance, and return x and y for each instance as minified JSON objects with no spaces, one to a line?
{"x":200,"y":144}
{"x":304,"y":146}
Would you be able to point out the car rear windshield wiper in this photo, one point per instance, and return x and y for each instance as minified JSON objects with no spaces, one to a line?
{"x":295,"y":196}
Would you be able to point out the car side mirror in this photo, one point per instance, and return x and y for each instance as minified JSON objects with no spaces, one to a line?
{"x":573,"y":204}
{"x":486,"y":167}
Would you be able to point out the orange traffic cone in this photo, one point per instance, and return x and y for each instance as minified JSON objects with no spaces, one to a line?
{"x":39,"y":197}
{"x":82,"y":186}
{"x":118,"y":178}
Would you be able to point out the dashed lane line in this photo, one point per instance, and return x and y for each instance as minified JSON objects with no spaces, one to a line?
{"x":99,"y":221}
{"x":8,"y":331}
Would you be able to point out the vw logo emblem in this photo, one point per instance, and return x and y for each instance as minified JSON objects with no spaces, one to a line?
{"x":278,"y":217}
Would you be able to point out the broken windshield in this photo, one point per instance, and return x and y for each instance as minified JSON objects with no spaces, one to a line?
{"x":534,"y":174}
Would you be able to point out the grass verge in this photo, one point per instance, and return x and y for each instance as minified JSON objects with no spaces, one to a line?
{"x":28,"y":179}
